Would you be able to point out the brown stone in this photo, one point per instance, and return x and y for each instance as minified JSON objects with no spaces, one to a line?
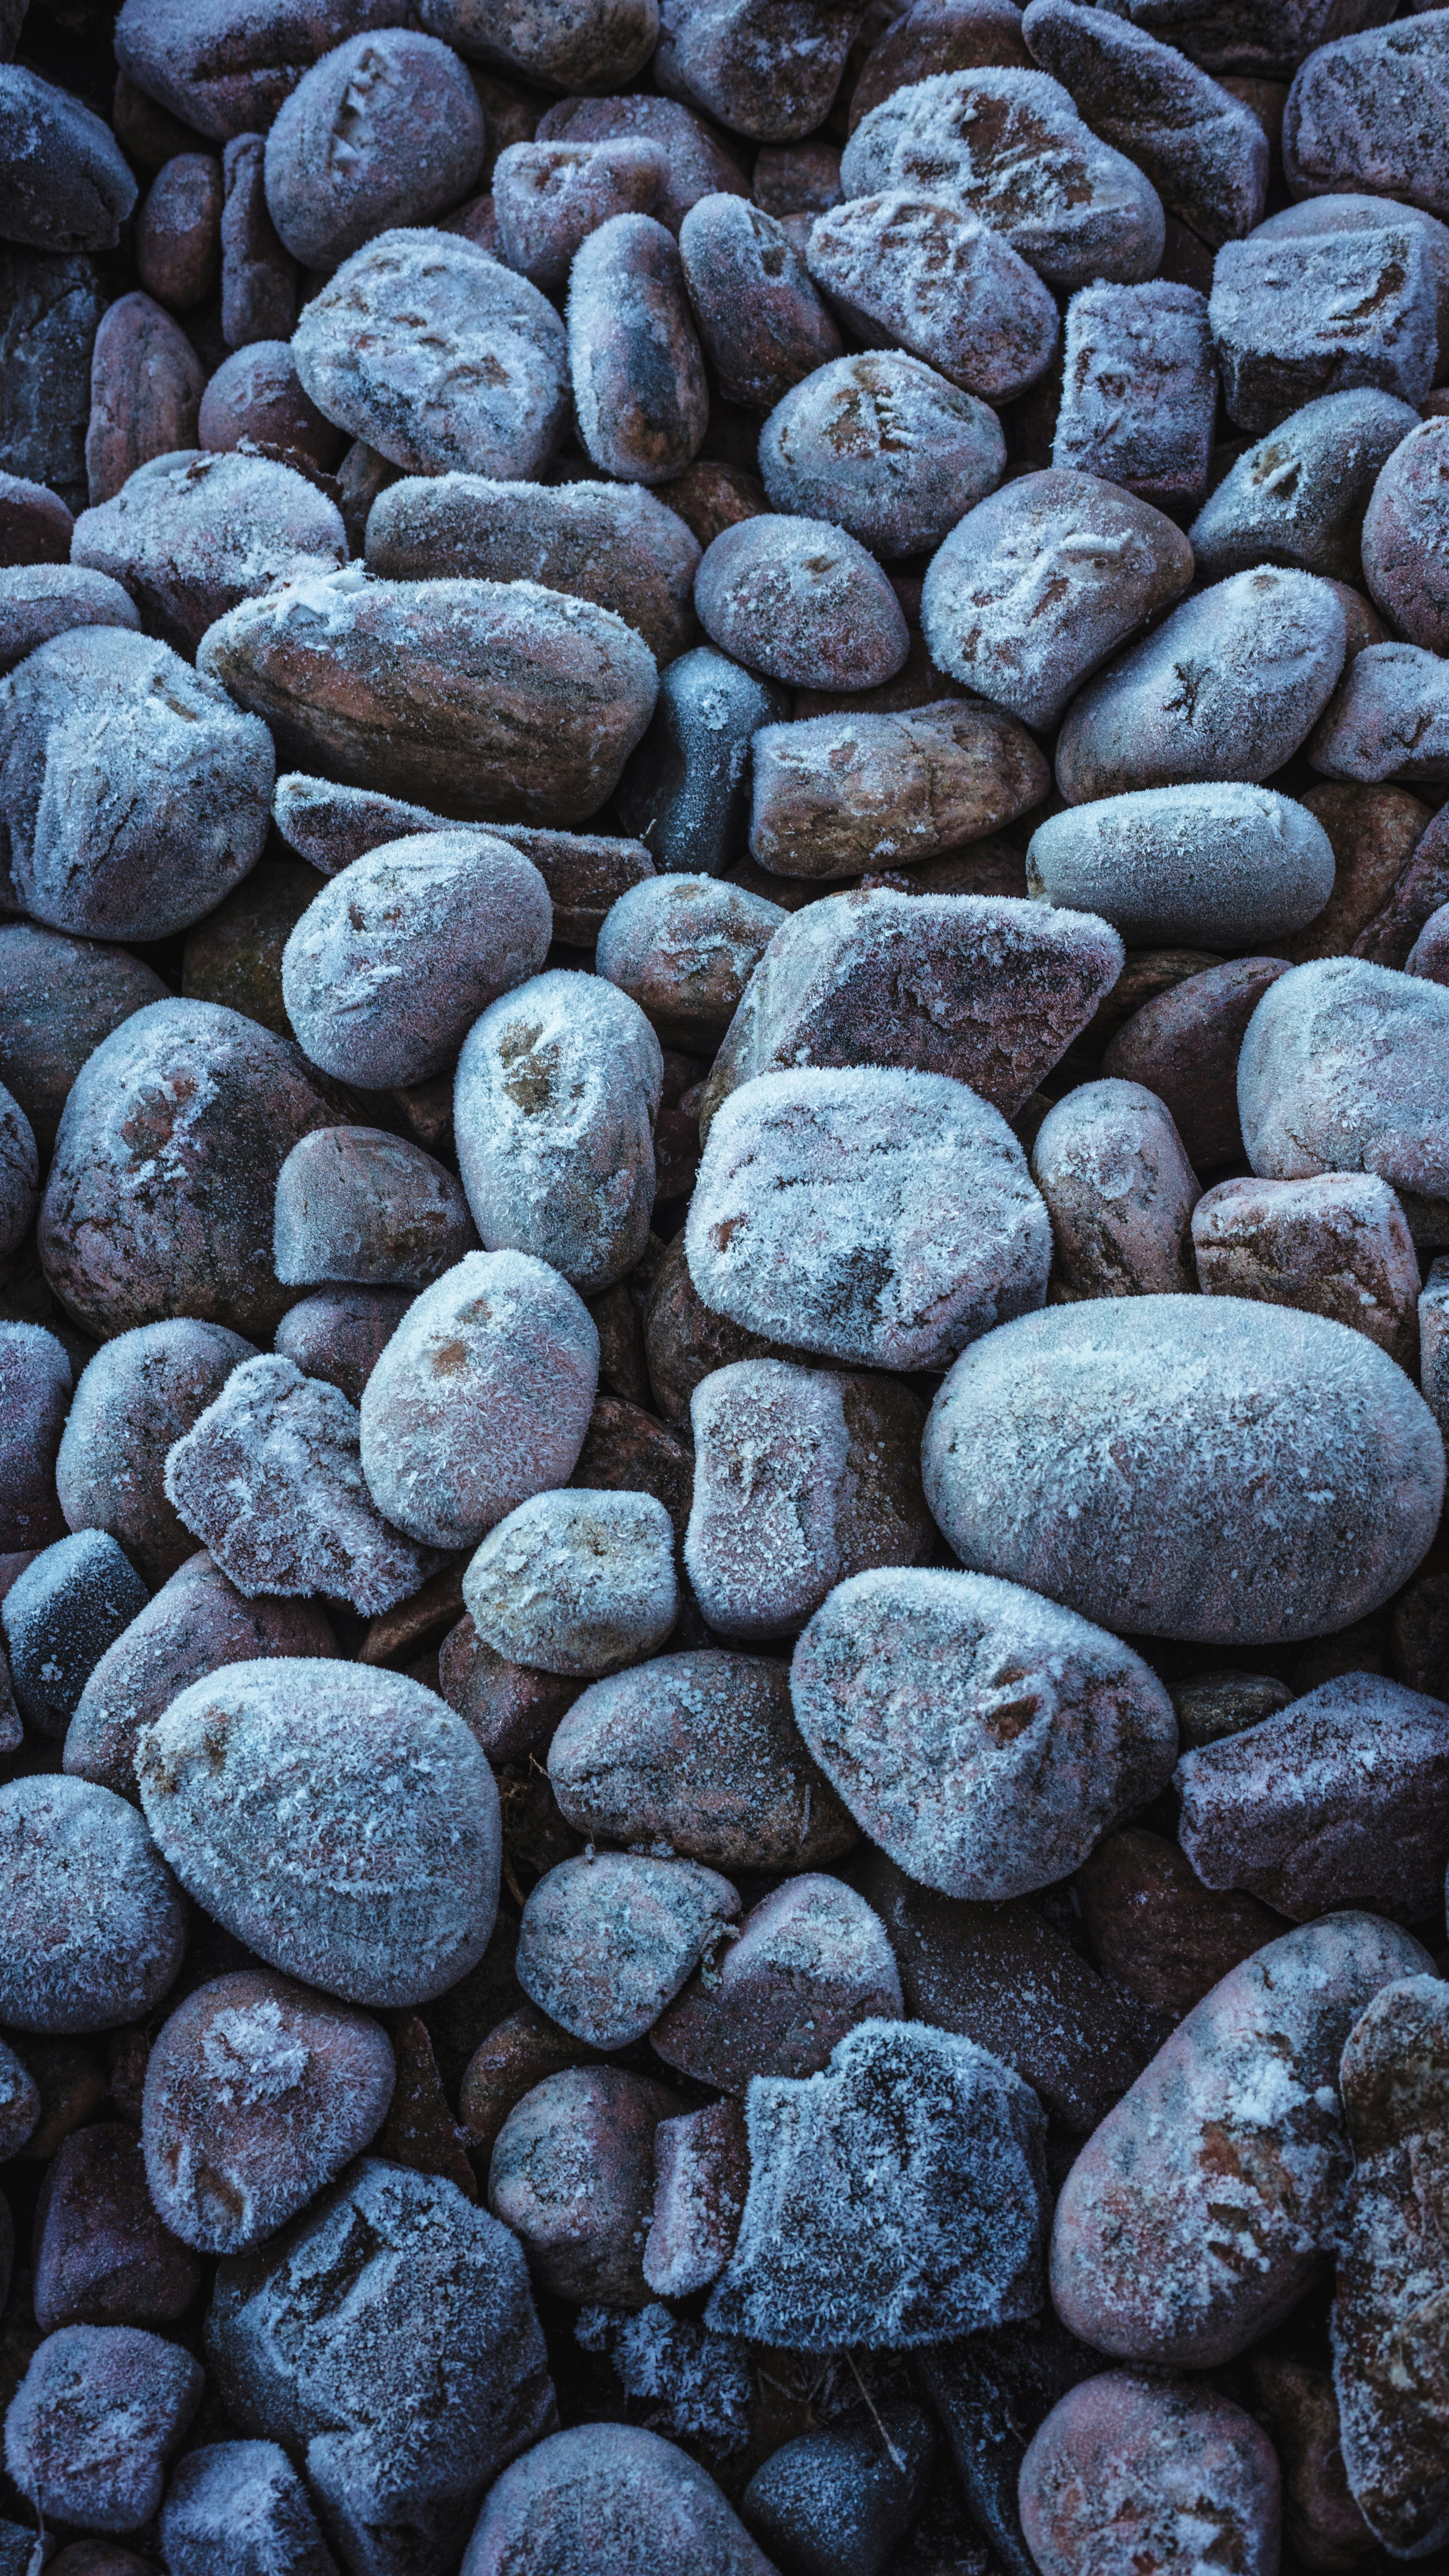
{"x":234,"y":956}
{"x":701,"y":2176}
{"x":1374,"y":832}
{"x":1183,"y":1044}
{"x":1336,"y":1244}
{"x":640,"y":393}
{"x":420,"y":2129}
{"x":710,"y":497}
{"x":1120,"y":1191}
{"x":178,"y":231}
{"x":258,"y":277}
{"x":811,"y":1962}
{"x":934,"y":36}
{"x":684,"y":1339}
{"x":521,"y":2052}
{"x":102,"y":2256}
{"x":1320,"y":2519}
{"x":572,"y":2173}
{"x":763,"y":324}
{"x":842,"y":793}
{"x":146,"y":389}
{"x":1155,"y":1928}
{"x":626,"y":1450}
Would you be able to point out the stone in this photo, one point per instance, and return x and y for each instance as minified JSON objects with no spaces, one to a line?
{"x":178,"y":234}
{"x":884,"y":447}
{"x":50,"y":312}
{"x":835,"y":2501}
{"x":269,"y":1478}
{"x":257,"y":2093}
{"x":549,"y":197}
{"x":1388,"y":719}
{"x":1375,"y":832}
{"x":934,"y":36}
{"x":384,"y":131}
{"x":59,"y":1616}
{"x":572,"y":2172}
{"x":146,"y":389}
{"x":1156,"y":1929}
{"x":599,"y":47}
{"x":66,"y":185}
{"x":1320,"y":2519}
{"x":244,"y":2498}
{"x":95,"y":1928}
{"x":252,"y":1778}
{"x":1010,"y":147}
{"x":1365,"y":112}
{"x":1404,"y":529}
{"x":342,"y":1336}
{"x":477,"y":693}
{"x":40,"y":601}
{"x":1041,"y":581}
{"x":605,"y":1943}
{"x":94,"y":2421}
{"x":1429,"y":955}
{"x":258,"y":277}
{"x":802,"y":1479}
{"x":641,"y":398}
{"x":234,"y":956}
{"x":802,"y":602}
{"x":1203,"y":149}
{"x":612,"y":543}
{"x":1227,"y":687}
{"x":702,"y":2173}
{"x":1336,"y":1245}
{"x":19,"y":1173}
{"x":1211,"y":1705}
{"x":699,"y":165}
{"x":332,"y":825}
{"x":1183,"y":1044}
{"x":1119,"y":1190}
{"x":59,"y":998}
{"x":1224,"y":1410}
{"x":1153,"y":2460}
{"x":19,"y":2103}
{"x":651,"y":2498}
{"x":1234,"y":2131}
{"x":102,"y":2255}
{"x":941,"y":2145}
{"x":522,"y":2051}
{"x":354,"y":1203}
{"x":810,"y":1962}
{"x":35,"y":1385}
{"x":910,"y":266}
{"x":686,"y":790}
{"x":35,"y":524}
{"x":557,"y":1087}
{"x":1367,"y":1087}
{"x":194,"y":534}
{"x":840,"y":794}
{"x":1139,"y":387}
{"x":133,"y":793}
{"x":390,"y":2340}
{"x":221,"y":70}
{"x":684,"y":947}
{"x":481,"y":1398}
{"x":256,"y":394}
{"x":684,"y":1339}
{"x":762,"y":324}
{"x":406,"y":324}
{"x":138,"y":1396}
{"x":1296,"y":318}
{"x":197,"y":1623}
{"x":576,"y":1583}
{"x":771,"y":77}
{"x":1391,"y":2268}
{"x":627,"y":1451}
{"x":1298,"y":496}
{"x":709,"y":496}
{"x":984,"y":1739}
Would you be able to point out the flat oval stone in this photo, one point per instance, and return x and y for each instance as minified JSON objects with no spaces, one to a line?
{"x":1404,"y":533}
{"x":1119,"y":1190}
{"x":385,"y":130}
{"x":576,"y":1583}
{"x":1196,"y":1467}
{"x":1217,"y":865}
{"x":885,"y":447}
{"x":1298,"y":495}
{"x":982,"y":1737}
{"x":94,"y":1923}
{"x":191,"y":535}
{"x":912,"y":267}
{"x":42,"y":600}
{"x":339,"y":1820}
{"x":141,"y":1392}
{"x":1204,"y":149}
{"x":1345,"y":1068}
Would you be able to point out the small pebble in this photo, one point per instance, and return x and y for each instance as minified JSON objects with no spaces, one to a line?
{"x":572,"y":2173}
{"x":85,"y":2386}
{"x":1120,"y":1193}
{"x":72,"y":1601}
{"x":811,"y":1961}
{"x":576,"y":1583}
{"x":606,"y":1943}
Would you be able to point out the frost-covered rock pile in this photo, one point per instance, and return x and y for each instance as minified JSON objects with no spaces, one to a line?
{"x":724,"y":1287}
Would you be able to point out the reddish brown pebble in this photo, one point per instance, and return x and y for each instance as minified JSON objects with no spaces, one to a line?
{"x":520,"y":2053}
{"x":701,"y":2176}
{"x":763,"y":324}
{"x":146,"y":388}
{"x":1335,"y":1244}
{"x":1155,"y":1927}
{"x":801,"y":601}
{"x":257,"y":396}
{"x":1130,"y":2468}
{"x":511,"y":1709}
{"x":640,"y":394}
{"x":35,"y":524}
{"x":1320,"y":2519}
{"x":699,"y":166}
{"x":258,"y":277}
{"x":341,"y":1336}
{"x":103,"y":2257}
{"x":138,"y":1395}
{"x":549,"y":197}
{"x":934,"y":36}
{"x":572,"y":2173}
{"x":811,"y":1961}
{"x":1183,"y":1044}
{"x":178,"y":232}
{"x":385,"y":130}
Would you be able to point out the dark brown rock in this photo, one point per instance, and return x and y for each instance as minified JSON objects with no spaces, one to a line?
{"x":1183,"y":1044}
{"x":341,"y":1336}
{"x":767,"y":73}
{"x":811,"y":1961}
{"x":512,"y":1710}
{"x":258,"y":277}
{"x":884,"y":447}
{"x":146,"y":389}
{"x":701,"y":2176}
{"x":549,"y":197}
{"x":35,"y":1382}
{"x":572,"y":2173}
{"x":178,"y":232}
{"x":256,"y":395}
{"x":41,"y":601}
{"x":59,"y":998}
{"x":102,"y":2256}
{"x":627,"y":1451}
{"x":50,"y":311}
{"x":640,"y":392}
{"x":61,"y":2443}
{"x":601,"y":46}
{"x":1203,"y":149}
{"x":523,"y":2051}
{"x":1320,"y":2519}
{"x":710,"y":497}
{"x":763,"y":325}
{"x":193,"y":534}
{"x":1336,"y":1244}
{"x":1156,"y":1929}
{"x":138,"y":1395}
{"x":835,"y":795}
{"x":234,"y":956}
{"x":35,"y":524}
{"x":225,"y":69}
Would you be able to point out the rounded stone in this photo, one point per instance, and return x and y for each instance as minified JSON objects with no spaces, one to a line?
{"x":655,"y":2502}
{"x":572,"y":2173}
{"x":257,"y":394}
{"x":61,"y":1613}
{"x":140,"y":1394}
{"x":641,"y":396}
{"x":684,"y":947}
{"x":1204,"y":866}
{"x":883,"y":447}
{"x":1156,"y":2458}
{"x":607,"y":1941}
{"x":35,"y":1386}
{"x":191,"y":535}
{"x":1345,"y":1068}
{"x":763,"y":325}
{"x":803,"y":602}
{"x":40,"y":601}
{"x":94,"y":1923}
{"x":385,"y":130}
{"x":59,"y":998}
{"x":576,"y":1583}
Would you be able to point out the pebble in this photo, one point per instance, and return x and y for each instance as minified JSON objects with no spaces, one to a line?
{"x":35,"y":1385}
{"x":1220,"y":1407}
{"x":606,"y":1943}
{"x":1297,"y":497}
{"x":656,"y":2503}
{"x":138,"y":1396}
{"x":1364,"y":112}
{"x":641,"y":398}
{"x":71,"y":1602}
{"x":1139,"y":389}
{"x":1336,"y":1245}
{"x":197,"y":1623}
{"x":899,"y":2192}
{"x":801,"y":602}
{"x":1155,"y":1928}
{"x":1387,"y":874}
{"x":762,"y":324}
{"x":576,"y":1583}
{"x":572,"y":2173}
{"x":713,"y":55}
{"x":1120,"y":1193}
{"x":65,"y":184}
{"x":171,"y":58}
{"x":391,"y":2342}
{"x":385,"y":130}
{"x":341,"y":1336}
{"x":95,"y":1927}
{"x":1296,"y":318}
{"x":258,"y":2092}
{"x":1129,"y":2464}
{"x":1235,"y":2131}
{"x":837,"y":795}
{"x":1388,"y":719}
{"x":191,"y":536}
{"x":812,"y":1960}
{"x":354,"y":1203}
{"x":1341,"y":1053}
{"x":549,"y":197}
{"x":1036,"y":585}
{"x":178,"y":233}
{"x":146,"y":389}
{"x":686,"y":790}
{"x":35,"y":525}
{"x":1404,"y":530}
{"x":51,"y":315}
{"x":884,"y":447}
{"x":1183,"y":1044}
{"x":844,"y":2494}
{"x":19,"y":1173}
{"x":699,"y":164}
{"x":61,"y":997}
{"x":102,"y":2254}
{"x":702,"y":2173}
{"x":252,"y":1778}
{"x":258,"y":277}
{"x":926,"y":273}
{"x":684,"y":947}
{"x":94,"y":2421}
{"x":1196,"y":863}
{"x":241,"y":2496}
{"x":1204,"y":149}
{"x":256,"y":394}
{"x":42,"y":600}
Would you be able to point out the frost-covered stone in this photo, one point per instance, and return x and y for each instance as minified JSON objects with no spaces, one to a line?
{"x":1041,"y":581}
{"x":1233,"y":2135}
{"x":1010,"y":147}
{"x":697,"y":1754}
{"x":1294,"y":318}
{"x":1206,"y":864}
{"x":1392,"y":2272}
{"x":134,"y":794}
{"x":549,"y":197}
{"x":884,"y":447}
{"x":768,"y":74}
{"x":1202,"y":147}
{"x":877,"y":1217}
{"x":256,"y":395}
{"x":1154,"y":2460}
{"x":1345,"y":212}
{"x":1298,"y":496}
{"x":654,"y":2501}
{"x":102,"y":2255}
{"x":270,"y":1480}
{"x":684,"y":947}
{"x":1337,"y":1244}
{"x":35,"y":1384}
{"x":1193,"y":1467}
{"x":557,"y":1088}
{"x":838,"y":794}
{"x":572,"y":2172}
{"x":61,"y":997}
{"x":481,"y":1398}
{"x":243,"y":2500}
{"x":256,"y":1778}
{"x":1404,"y":533}
{"x":686,"y":789}
{"x":763,"y":325}
{"x":702,"y":2173}
{"x":802,"y":1478}
{"x":811,"y":1961}
{"x":19,"y":1173}
{"x":195,"y":1624}
{"x":438,"y":356}
{"x":801,"y":601}
{"x":698,"y":164}
{"x":134,"y":1400}
{"x":94,"y":1928}
{"x":355,"y":1203}
{"x":913,"y":267}
{"x":191,"y":535}
{"x":159,"y":1201}
{"x":66,"y":185}
{"x":1139,"y":386}
{"x":94,"y":2421}
{"x":1226,"y":688}
{"x":390,"y":2342}
{"x":641,"y":396}
{"x":576,"y":1582}
{"x":1388,"y":719}
{"x":1368,"y":112}
{"x":385,"y":130}
{"x":66,"y":1607}
{"x":899,"y":2193}
{"x":606,"y":1943}
{"x":1338,"y":1800}
{"x":41,"y":600}
{"x":981,"y":1736}
{"x":1343,"y":1069}
{"x":1120,"y":1192}
{"x":257,"y":2093}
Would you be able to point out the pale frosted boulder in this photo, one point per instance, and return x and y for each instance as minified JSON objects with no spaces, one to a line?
{"x":1388,"y":718}
{"x":1299,"y":495}
{"x":1120,"y":1192}
{"x":1194,"y":1467}
{"x":577,"y":1582}
{"x":1345,"y":1068}
{"x":1211,"y":865}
